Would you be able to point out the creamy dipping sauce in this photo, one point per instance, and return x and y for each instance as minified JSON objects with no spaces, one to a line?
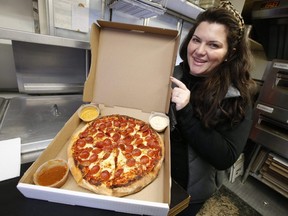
{"x":158,"y":122}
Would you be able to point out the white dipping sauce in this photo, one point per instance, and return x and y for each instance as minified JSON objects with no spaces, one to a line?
{"x":158,"y":122}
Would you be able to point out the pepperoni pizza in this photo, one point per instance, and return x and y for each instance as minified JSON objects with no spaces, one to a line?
{"x":115,"y":155}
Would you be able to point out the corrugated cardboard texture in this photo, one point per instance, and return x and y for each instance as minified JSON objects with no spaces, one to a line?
{"x":132,"y":67}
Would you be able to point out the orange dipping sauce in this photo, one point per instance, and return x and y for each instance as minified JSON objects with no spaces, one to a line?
{"x":52,"y":175}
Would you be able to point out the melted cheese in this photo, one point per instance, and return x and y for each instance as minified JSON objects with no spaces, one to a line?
{"x":122,"y":163}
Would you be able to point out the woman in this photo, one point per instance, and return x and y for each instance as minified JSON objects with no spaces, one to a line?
{"x":211,"y":103}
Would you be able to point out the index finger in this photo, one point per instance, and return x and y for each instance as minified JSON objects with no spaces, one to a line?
{"x":178,"y":83}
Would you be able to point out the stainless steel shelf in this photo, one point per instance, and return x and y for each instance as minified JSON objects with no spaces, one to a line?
{"x":184,"y":8}
{"x":29,"y":37}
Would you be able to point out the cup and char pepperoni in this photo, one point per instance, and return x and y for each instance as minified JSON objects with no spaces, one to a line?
{"x":116,"y":152}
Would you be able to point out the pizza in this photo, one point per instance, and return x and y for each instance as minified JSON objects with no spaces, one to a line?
{"x":115,"y":155}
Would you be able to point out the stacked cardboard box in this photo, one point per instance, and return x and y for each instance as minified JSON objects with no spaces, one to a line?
{"x":275,"y":173}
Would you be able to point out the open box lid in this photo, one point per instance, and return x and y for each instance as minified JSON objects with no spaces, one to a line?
{"x":131,"y":66}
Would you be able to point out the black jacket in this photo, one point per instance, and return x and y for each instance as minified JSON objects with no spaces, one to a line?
{"x":197,"y":153}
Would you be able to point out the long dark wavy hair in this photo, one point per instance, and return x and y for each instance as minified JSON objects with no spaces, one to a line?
{"x":208,"y":99}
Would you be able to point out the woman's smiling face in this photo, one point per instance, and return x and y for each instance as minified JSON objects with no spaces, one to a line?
{"x":207,"y":48}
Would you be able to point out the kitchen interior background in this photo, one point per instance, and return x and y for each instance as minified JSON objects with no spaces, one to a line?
{"x":50,"y":17}
{"x":28,"y":68}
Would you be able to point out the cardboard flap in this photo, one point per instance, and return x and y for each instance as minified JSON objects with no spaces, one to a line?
{"x":140,"y":28}
{"x":94,"y":42}
{"x":131,"y":66}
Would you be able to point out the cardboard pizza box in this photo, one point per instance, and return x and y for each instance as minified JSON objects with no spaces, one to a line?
{"x":129,"y":74}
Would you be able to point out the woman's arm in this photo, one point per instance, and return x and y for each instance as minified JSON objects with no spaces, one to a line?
{"x":221,"y":147}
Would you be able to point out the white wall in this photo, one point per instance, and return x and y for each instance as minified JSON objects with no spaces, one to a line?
{"x":238,"y":4}
{"x":17,"y":14}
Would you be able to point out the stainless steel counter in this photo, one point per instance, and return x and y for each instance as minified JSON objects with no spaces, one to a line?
{"x":36,"y":120}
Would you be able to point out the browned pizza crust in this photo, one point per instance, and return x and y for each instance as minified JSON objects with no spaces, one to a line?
{"x":137,"y":185}
{"x":137,"y":182}
{"x":71,"y":163}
